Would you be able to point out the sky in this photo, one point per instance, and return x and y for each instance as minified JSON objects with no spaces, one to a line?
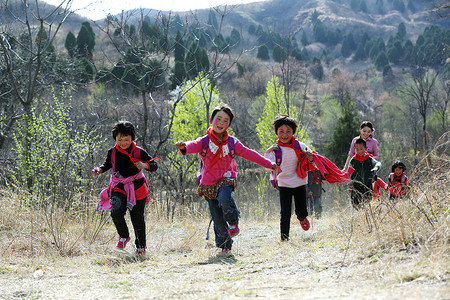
{"x":98,"y":9}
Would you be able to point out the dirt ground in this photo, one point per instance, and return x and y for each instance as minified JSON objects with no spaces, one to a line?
{"x":181,"y":264}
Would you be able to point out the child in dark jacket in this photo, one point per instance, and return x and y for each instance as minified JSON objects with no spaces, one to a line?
{"x":363,"y":176}
{"x":128,"y":188}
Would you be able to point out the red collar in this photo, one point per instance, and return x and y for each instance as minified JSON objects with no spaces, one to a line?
{"x":362,"y":157}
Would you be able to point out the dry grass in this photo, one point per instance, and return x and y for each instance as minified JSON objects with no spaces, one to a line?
{"x":390,"y":250}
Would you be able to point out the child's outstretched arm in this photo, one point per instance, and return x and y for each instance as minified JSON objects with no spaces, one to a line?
{"x":376,"y":165}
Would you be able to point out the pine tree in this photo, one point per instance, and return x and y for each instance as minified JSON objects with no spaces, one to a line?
{"x":381,"y":60}
{"x":360,"y":54}
{"x":345,"y":130}
{"x":179,"y":48}
{"x":263,"y":53}
{"x":71,"y":44}
{"x":304,"y":39}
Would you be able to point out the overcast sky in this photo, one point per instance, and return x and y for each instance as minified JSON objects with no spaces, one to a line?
{"x":99,"y":9}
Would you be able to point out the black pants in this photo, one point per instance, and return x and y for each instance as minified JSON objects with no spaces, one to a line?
{"x":301,"y":211}
{"x":360,"y":194}
{"x":118,"y":211}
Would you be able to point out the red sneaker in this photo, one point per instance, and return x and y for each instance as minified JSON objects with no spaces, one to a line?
{"x":141,"y":251}
{"x":234,"y":230}
{"x":122,"y":244}
{"x":305,"y":224}
{"x":226,"y":251}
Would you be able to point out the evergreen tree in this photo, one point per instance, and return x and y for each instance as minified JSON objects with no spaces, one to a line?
{"x":363,"y":6}
{"x":235,"y":38}
{"x":364,"y":39}
{"x":411,"y":6}
{"x":179,"y":48}
{"x":346,"y":48}
{"x":71,"y":44}
{"x":263,"y":53}
{"x":316,"y":69}
{"x":399,"y":5}
{"x":178,"y":75}
{"x":360,"y":54}
{"x":314,"y":16}
{"x":279,"y":54}
{"x":393,"y":55}
{"x":212,"y":22}
{"x":354,"y":4}
{"x":304,"y":39}
{"x":196,"y":61}
{"x":343,"y":133}
{"x":381,"y":60}
{"x":297,"y":54}
{"x":252,"y":29}
{"x":86,"y":41}
{"x":401,"y":30}
{"x":320,"y":34}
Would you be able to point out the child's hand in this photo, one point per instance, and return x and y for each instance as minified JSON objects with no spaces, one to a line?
{"x":181,"y":145}
{"x":97,"y":171}
{"x":374,"y":169}
{"x":140,"y":165}
{"x":272,"y":148}
{"x":274,"y":166}
{"x":309,"y":156}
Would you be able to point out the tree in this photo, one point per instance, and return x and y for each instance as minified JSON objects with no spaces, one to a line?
{"x":320,"y":34}
{"x":263,"y":53}
{"x":345,"y":130}
{"x":360,"y":54}
{"x":23,"y":56}
{"x":196,"y":61}
{"x":179,"y":48}
{"x":401,"y":30}
{"x":71,"y":44}
{"x":279,"y":54}
{"x":381,"y":60}
{"x":86,"y":41}
{"x":304,"y":39}
{"x":363,"y":6}
{"x":420,"y":89}
{"x":316,"y":69}
{"x":399,"y":5}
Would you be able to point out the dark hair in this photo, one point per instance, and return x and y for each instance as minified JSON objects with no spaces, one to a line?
{"x":366,"y":124}
{"x":124,"y":128}
{"x":225,"y":108}
{"x":361,"y":141}
{"x":284,"y":120}
{"x":398,"y":164}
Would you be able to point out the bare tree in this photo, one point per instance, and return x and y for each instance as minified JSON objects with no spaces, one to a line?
{"x":26,"y":36}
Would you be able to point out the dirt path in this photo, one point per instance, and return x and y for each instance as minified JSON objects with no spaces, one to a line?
{"x":183,"y":265}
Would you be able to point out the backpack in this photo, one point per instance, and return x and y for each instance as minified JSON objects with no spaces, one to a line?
{"x":278,"y":158}
{"x":205,"y":146}
{"x":402,"y":180}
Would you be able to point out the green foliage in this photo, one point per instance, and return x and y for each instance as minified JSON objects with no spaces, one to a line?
{"x":212,"y":22}
{"x":401,"y":31}
{"x":314,"y":17}
{"x":86,"y":41}
{"x":399,"y":5}
{"x":347,"y":127}
{"x":316,"y":69}
{"x":191,"y":117}
{"x":196,"y":61}
{"x":320,"y":32}
{"x":279,"y":54}
{"x":71,"y":44}
{"x":263,"y":53}
{"x":51,"y":156}
{"x":304,"y":40}
{"x":381,"y":60}
{"x":179,"y":74}
{"x":360,"y":54}
{"x":179,"y":48}
{"x":275,"y":105}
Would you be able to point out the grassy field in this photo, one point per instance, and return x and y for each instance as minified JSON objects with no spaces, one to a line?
{"x":389,"y":250}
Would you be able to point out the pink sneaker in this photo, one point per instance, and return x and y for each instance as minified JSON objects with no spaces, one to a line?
{"x":305,"y":224}
{"x":141,"y":251}
{"x":226,"y":251}
{"x":121,"y":244}
{"x":234,"y":230}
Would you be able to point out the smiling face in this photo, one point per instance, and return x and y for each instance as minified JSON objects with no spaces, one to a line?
{"x":398,"y":171}
{"x":285,"y":134}
{"x":365,"y":132}
{"x":124,"y":141}
{"x":220,"y":123}
{"x":360,"y":149}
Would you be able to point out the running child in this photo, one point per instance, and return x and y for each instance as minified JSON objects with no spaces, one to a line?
{"x":128,"y":188}
{"x":398,"y":181}
{"x":288,"y":182}
{"x":362,"y":178}
{"x":218,"y":174}
{"x":366,"y":133}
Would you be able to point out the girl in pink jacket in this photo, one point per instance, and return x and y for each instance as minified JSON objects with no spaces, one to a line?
{"x":217,"y":178}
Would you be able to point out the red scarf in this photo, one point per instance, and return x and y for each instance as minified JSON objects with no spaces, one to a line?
{"x":133,"y":147}
{"x":362,"y":157}
{"x":291,"y":145}
{"x":218,"y":142}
